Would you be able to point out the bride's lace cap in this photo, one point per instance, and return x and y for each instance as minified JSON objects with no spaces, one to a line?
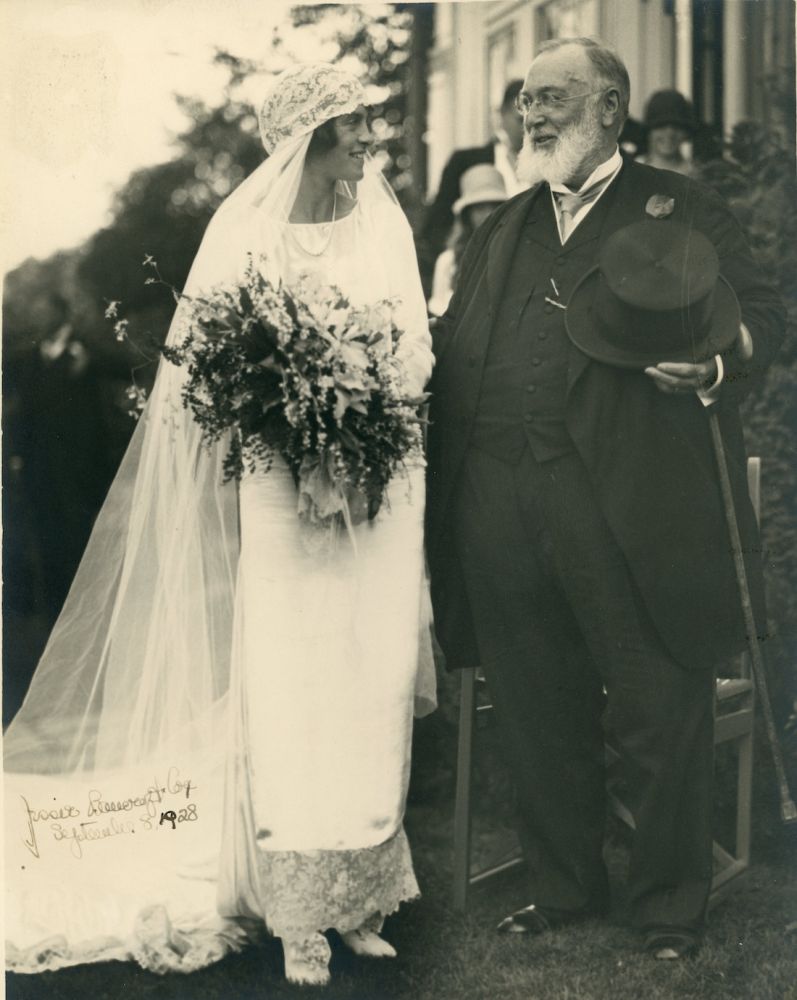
{"x":304,"y":97}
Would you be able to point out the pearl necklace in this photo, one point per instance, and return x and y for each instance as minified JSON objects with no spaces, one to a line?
{"x":331,"y":224}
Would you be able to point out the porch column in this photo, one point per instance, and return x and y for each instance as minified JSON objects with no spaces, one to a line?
{"x":734,"y":65}
{"x":683,"y":47}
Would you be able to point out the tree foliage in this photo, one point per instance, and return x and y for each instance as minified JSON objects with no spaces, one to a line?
{"x":379,"y":40}
{"x":163,"y":210}
{"x":757,"y":176}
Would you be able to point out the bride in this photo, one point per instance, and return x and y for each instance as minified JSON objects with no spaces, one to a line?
{"x":218,"y":733}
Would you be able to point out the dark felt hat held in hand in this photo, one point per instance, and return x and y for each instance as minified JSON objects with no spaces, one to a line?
{"x":655,"y":295}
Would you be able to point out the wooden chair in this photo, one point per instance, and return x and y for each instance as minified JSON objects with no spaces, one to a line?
{"x":733,"y":725}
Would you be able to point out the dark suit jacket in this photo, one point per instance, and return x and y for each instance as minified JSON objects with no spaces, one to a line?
{"x":648,"y":453}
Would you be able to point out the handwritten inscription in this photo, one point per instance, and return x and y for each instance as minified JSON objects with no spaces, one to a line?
{"x":181,"y":816}
{"x":88,"y":831}
{"x":105,"y":815}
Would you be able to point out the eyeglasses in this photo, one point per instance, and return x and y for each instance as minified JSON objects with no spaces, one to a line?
{"x":548,"y":101}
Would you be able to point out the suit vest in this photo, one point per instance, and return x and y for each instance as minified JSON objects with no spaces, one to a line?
{"x":524,"y":385}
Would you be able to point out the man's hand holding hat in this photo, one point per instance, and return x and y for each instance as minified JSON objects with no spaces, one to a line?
{"x":680,"y":376}
{"x":705,"y":377}
{"x":657,"y":292}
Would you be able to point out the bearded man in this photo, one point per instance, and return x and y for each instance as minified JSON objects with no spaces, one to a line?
{"x":576,"y":535}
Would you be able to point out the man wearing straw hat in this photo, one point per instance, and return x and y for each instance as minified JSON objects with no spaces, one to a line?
{"x":576,"y":531}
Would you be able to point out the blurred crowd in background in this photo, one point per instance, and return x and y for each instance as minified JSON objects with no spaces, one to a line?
{"x":67,"y":398}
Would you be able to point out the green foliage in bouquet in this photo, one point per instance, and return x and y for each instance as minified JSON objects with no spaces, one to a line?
{"x":305,"y":375}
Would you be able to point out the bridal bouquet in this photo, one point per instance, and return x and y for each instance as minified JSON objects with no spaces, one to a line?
{"x":304,"y":374}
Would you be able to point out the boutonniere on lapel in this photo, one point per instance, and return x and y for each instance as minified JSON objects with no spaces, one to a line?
{"x":659,"y":206}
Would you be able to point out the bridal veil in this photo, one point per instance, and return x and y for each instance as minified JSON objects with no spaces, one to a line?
{"x":115,"y":762}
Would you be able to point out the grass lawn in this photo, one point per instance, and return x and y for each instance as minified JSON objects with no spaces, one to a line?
{"x":750,"y":951}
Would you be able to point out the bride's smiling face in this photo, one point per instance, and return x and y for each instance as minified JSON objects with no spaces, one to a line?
{"x":345,"y":159}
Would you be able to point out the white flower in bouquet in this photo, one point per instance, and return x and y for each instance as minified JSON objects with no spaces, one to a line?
{"x":305,"y":375}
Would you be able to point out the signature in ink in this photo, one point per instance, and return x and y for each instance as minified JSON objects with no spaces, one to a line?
{"x":98,"y":804}
{"x":104,"y":808}
{"x":175,"y":784}
{"x":153,"y":796}
{"x":88,"y":830}
{"x":34,"y":816}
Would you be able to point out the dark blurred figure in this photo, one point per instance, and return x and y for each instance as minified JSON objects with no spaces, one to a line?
{"x":501,"y":151}
{"x":633,"y":138}
{"x":482,"y":190}
{"x":55,"y":473}
{"x":670,"y":122}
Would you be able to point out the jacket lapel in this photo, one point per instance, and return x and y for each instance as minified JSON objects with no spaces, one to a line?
{"x":624,"y":207}
{"x":502,"y":246}
{"x":541,"y":224}
{"x":627,"y":201}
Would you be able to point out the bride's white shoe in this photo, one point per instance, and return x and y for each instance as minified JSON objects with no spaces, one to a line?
{"x":307,"y":962}
{"x":368,"y":943}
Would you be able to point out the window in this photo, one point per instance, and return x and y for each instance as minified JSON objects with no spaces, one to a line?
{"x":567,"y":19}
{"x":501,"y":66}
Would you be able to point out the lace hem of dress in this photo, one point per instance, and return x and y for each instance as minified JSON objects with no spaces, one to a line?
{"x":155,"y":944}
{"x":305,"y":892}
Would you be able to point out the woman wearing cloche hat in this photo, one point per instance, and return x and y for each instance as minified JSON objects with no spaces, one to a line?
{"x":670,"y":122}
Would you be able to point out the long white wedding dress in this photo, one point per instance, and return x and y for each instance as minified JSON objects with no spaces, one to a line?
{"x":285,"y":800}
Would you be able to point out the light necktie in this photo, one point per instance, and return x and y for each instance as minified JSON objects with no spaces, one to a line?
{"x":569,"y":204}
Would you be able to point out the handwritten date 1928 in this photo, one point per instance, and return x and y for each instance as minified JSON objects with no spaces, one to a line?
{"x":187,"y":815}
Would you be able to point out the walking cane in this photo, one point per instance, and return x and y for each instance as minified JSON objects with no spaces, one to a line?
{"x":788,"y":811}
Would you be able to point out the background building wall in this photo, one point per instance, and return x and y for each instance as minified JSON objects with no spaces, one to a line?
{"x":719,"y":53}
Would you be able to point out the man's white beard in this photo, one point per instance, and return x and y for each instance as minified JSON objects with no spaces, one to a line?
{"x":573,"y":146}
